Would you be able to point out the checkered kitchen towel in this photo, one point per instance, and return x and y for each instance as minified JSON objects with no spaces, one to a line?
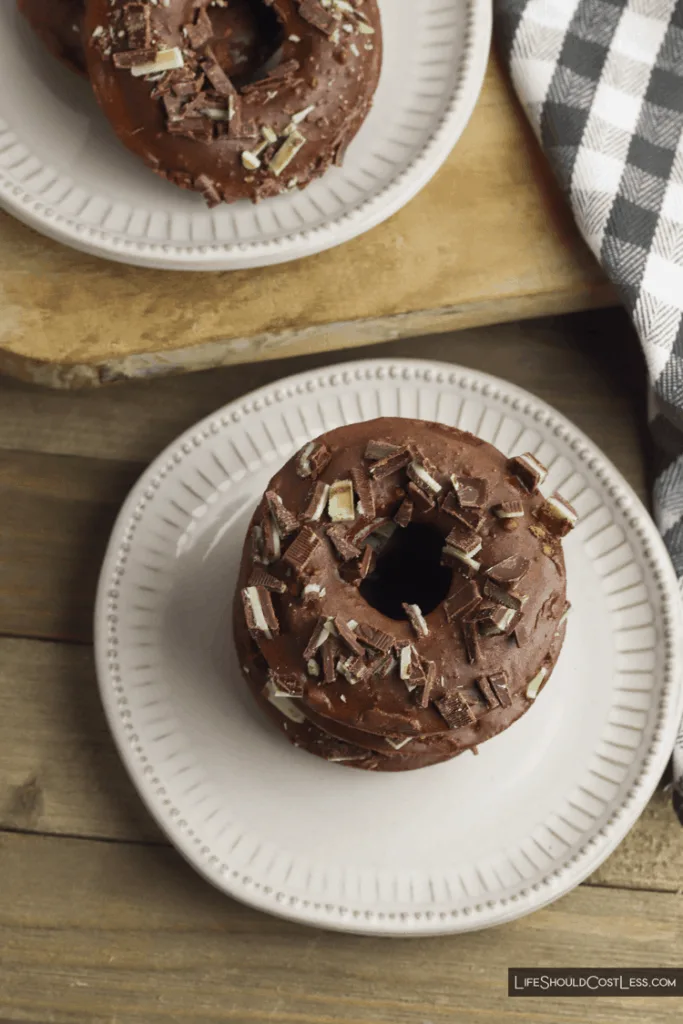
{"x":602,"y":83}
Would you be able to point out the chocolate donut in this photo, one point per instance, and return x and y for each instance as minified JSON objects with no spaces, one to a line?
{"x":59,"y":24}
{"x":401,"y":596}
{"x":240,"y":100}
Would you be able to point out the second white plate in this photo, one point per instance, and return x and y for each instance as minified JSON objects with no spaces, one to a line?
{"x":63,"y":171}
{"x":467,"y":844}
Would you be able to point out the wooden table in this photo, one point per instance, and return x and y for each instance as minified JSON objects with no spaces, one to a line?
{"x":99,"y":919}
{"x":490,"y":239}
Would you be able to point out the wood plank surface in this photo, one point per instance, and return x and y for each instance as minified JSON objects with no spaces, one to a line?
{"x":489,"y":239}
{"x":60,"y":773}
{"x":89,"y":933}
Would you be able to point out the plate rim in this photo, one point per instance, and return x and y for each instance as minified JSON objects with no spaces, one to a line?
{"x":650,"y":761}
{"x":371,"y":212}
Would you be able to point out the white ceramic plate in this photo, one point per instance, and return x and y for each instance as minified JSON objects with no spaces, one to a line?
{"x":63,"y":171}
{"x":462,"y":845}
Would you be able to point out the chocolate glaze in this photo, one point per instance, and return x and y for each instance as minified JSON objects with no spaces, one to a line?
{"x":336,"y":75}
{"x":366,"y":713}
{"x":59,"y":24}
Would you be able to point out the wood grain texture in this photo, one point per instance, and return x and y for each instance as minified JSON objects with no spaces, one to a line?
{"x":89,"y":932}
{"x":489,"y":239}
{"x":60,"y":773}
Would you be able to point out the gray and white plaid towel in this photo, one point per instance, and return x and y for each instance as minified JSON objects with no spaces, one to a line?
{"x":601,"y":82}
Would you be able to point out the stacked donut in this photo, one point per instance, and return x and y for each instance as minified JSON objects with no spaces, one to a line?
{"x":401,"y":596}
{"x":233,"y":99}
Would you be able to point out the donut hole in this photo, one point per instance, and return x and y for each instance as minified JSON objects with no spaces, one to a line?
{"x":248,"y":37}
{"x":408,"y":571}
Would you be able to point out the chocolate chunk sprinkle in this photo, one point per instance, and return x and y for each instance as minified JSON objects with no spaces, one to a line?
{"x":316,"y":502}
{"x":339,"y":535}
{"x":471,"y":641}
{"x":405,"y":513}
{"x":529,"y":471}
{"x":416,"y":618}
{"x":464,"y":539}
{"x":314,"y":14}
{"x":287,"y":522}
{"x":464,"y":599}
{"x":487,"y":693}
{"x":347,"y":635}
{"x":133,"y":58}
{"x":499,"y":684}
{"x":422,"y":501}
{"x":261,"y":578}
{"x":502,"y":596}
{"x":299,"y":552}
{"x":136,"y":21}
{"x":510,"y":569}
{"x":390,"y":464}
{"x":366,"y":495}
{"x":366,"y":564}
{"x":271,"y":539}
{"x":472,"y":492}
{"x":290,"y":684}
{"x":380,"y":449}
{"x":376,"y":638}
{"x":455,"y":710}
{"x":382,"y":666}
{"x":558,"y":515}
{"x":199,"y":31}
{"x":429,"y":687}
{"x":509,"y":510}
{"x":320,"y":633}
{"x":313,"y":458}
{"x":259,"y":612}
{"x":330,"y":651}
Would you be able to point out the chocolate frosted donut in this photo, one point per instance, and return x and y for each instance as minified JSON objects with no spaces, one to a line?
{"x":239,"y":100}
{"x":401,"y":596}
{"x":59,"y":24}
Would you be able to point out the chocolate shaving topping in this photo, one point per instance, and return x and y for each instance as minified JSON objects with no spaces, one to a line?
{"x":423,"y":474}
{"x":353,"y":669}
{"x":380,"y":721}
{"x":316,"y":502}
{"x":339,"y":535}
{"x":348,"y":636}
{"x":382,"y":666}
{"x":422,"y":501}
{"x":390,"y":464}
{"x":216,"y":75}
{"x":497,"y":621}
{"x":455,"y":710}
{"x":291,"y":684}
{"x":455,"y":559}
{"x":509,"y":510}
{"x":271,"y":538}
{"x":136,"y":21}
{"x":529,"y":471}
{"x":314,"y":14}
{"x":510,"y":569}
{"x":471,"y":641}
{"x":502,"y":596}
{"x":366,"y":495}
{"x":499,"y":684}
{"x":464,"y":539}
{"x":320,"y":633}
{"x":200,"y":30}
{"x":416,"y":618}
{"x":367,"y":563}
{"x":487,"y":693}
{"x":261,"y":578}
{"x":463,"y":600}
{"x":329,"y":651}
{"x":468,"y":518}
{"x":209,"y":191}
{"x":558,"y":515}
{"x":521,"y":634}
{"x":472,"y":492}
{"x":429,"y":687}
{"x":299,"y":552}
{"x":362,"y":530}
{"x":405,"y":513}
{"x":287,"y":522}
{"x":259,"y":612}
{"x":313,"y":458}
{"x":133,"y":58}
{"x":376,"y":638}
{"x":380,"y":449}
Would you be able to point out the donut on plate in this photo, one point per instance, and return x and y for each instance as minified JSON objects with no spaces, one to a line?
{"x":59,"y":24}
{"x":401,"y":596}
{"x":244,"y":99}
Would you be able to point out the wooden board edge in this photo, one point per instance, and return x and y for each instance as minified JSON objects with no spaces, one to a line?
{"x":300,"y":341}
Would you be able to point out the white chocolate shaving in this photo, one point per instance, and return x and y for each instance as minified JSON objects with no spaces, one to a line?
{"x":425,"y":478}
{"x":165,"y":60}
{"x":286,"y":153}
{"x":284,"y":703}
{"x":462,"y":557}
{"x":252,"y":596}
{"x":340,"y":504}
{"x":536,"y":683}
{"x":400,"y":744}
{"x":404,"y":662}
{"x":417,"y":619}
